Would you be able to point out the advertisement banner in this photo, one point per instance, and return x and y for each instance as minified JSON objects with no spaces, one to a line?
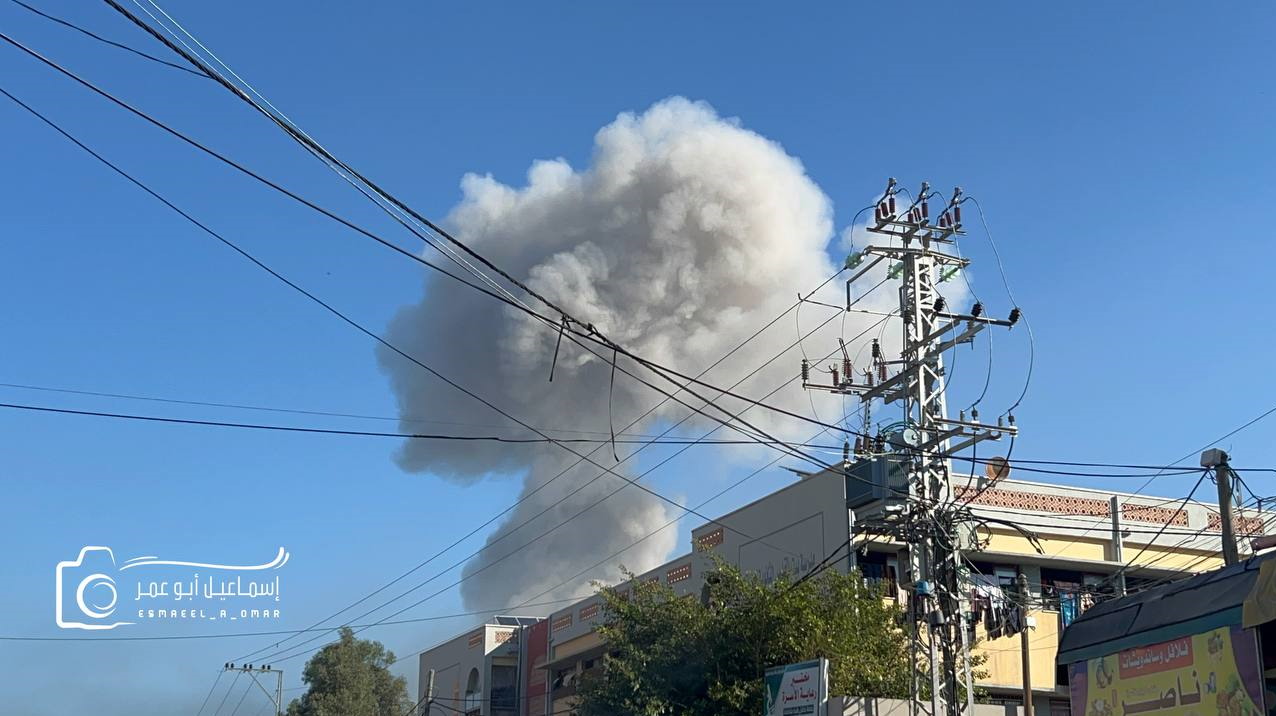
{"x":1216,"y":673}
{"x":798,"y":689}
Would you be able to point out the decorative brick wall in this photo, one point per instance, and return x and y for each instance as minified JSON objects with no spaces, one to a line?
{"x":1038,"y":502}
{"x":1154,"y":515}
{"x":1077,"y":506}
{"x":588,"y":612}
{"x":678,"y":574}
{"x":562,"y":622}
{"x":1245,"y":526}
{"x":710,"y":540}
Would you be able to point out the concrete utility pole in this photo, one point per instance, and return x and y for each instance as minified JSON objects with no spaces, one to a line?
{"x":914,"y":246}
{"x":1218,"y":460}
{"x":1025,"y":599}
{"x":1118,"y":540}
{"x":429,"y":694}
{"x":276,"y":698}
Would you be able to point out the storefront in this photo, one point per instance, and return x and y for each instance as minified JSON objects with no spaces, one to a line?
{"x":1203,"y":646}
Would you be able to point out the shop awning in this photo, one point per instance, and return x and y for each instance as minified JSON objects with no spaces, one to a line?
{"x":1188,"y":606}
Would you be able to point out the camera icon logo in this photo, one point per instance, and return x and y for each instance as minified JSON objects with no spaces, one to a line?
{"x":92,"y":600}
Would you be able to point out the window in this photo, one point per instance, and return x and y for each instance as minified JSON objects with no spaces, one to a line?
{"x":504,"y":690}
{"x":473,"y":696}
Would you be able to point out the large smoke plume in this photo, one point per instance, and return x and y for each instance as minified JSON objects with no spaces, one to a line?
{"x":684,"y":235}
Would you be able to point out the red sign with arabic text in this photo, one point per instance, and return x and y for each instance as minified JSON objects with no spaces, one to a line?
{"x":1155,"y":658}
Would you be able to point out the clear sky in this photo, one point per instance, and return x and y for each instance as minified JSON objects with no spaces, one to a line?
{"x":1117,"y":148}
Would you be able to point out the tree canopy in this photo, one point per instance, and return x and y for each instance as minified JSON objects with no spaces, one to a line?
{"x":707,"y":656}
{"x":351,"y":677}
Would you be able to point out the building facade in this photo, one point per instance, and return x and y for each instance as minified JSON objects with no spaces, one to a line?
{"x":1085,"y":538}
{"x":476,"y":673}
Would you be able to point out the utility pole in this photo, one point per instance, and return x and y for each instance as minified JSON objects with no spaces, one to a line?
{"x":1218,"y":460}
{"x":1025,"y":599}
{"x":277,"y":698}
{"x":1114,"y":508}
{"x":914,"y":245}
{"x":429,"y":695}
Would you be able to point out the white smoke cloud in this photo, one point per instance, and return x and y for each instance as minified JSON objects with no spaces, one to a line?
{"x":683,"y":236}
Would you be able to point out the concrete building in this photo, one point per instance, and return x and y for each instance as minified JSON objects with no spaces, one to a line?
{"x":796,"y":527}
{"x":478,"y":672}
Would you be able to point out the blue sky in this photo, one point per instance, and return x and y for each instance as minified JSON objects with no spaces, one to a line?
{"x":1122,"y":152}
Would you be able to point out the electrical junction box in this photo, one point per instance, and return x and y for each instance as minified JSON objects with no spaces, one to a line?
{"x":879,"y":478}
{"x":1213,"y":458}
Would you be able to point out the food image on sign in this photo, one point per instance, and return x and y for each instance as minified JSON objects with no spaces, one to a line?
{"x":1216,"y":673}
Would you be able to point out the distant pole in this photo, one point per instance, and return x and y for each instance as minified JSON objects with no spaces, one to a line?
{"x":1218,"y":460}
{"x":429,"y":693}
{"x":1023,"y":645}
{"x":1114,"y":506}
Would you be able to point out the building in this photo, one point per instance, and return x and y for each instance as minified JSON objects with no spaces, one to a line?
{"x":478,"y":672}
{"x":1085,"y":537}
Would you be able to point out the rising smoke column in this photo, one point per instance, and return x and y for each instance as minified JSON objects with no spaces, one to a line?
{"x":684,"y":235}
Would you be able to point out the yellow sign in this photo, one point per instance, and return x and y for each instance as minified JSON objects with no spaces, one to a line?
{"x":1212,"y":674}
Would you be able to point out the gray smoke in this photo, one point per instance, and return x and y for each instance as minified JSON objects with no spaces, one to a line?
{"x":684,"y":235}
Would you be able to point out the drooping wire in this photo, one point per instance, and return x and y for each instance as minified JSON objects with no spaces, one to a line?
{"x":230,"y":688}
{"x":1001,"y":269}
{"x":1130,"y":562}
{"x":218,"y":680}
{"x":346,"y":319}
{"x":663,"y":373}
{"x":278,"y":657}
{"x":583,"y":486}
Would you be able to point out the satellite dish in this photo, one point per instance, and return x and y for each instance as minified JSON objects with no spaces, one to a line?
{"x":997,"y":468}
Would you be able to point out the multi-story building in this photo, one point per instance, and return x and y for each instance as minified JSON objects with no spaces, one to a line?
{"x":478,"y":672}
{"x":1082,"y":550}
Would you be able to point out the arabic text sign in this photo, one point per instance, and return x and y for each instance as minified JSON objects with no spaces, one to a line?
{"x":1216,"y":673}
{"x":798,"y":689}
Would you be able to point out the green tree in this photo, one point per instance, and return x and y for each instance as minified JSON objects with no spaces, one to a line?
{"x":707,"y":656}
{"x":351,"y":677}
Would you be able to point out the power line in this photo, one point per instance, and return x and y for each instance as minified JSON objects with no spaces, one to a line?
{"x":104,"y":40}
{"x":1164,"y":472}
{"x":236,"y":635}
{"x":370,"y":433}
{"x":574,"y":334}
{"x":584,"y":485}
{"x":298,"y":411}
{"x":1197,"y":451}
{"x":218,"y":680}
{"x":1001,"y":269}
{"x":1129,"y":563}
{"x":351,"y":322}
{"x":228,"y":690}
{"x":567,"y":320}
{"x":241,"y":699}
{"x":359,"y":326}
{"x":276,"y":656}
